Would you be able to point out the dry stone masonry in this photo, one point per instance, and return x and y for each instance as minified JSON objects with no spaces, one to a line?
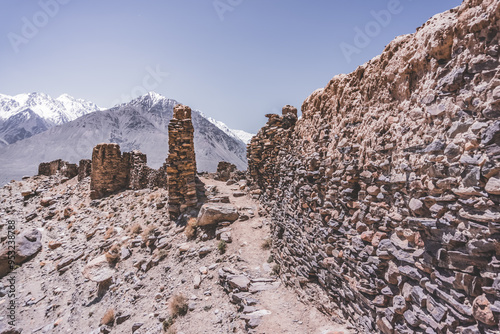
{"x":181,"y":162}
{"x":224,"y":170}
{"x":84,"y":169}
{"x":58,"y":166}
{"x":386,"y":193}
{"x":111,"y":171}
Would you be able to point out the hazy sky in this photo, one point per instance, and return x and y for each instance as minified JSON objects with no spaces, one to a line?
{"x":235,"y":60}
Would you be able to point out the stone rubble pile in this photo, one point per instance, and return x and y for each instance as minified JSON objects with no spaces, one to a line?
{"x":242,"y":290}
{"x":386,"y":192}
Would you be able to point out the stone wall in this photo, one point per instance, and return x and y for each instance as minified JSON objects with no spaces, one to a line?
{"x":384,"y":196}
{"x":112,"y":171}
{"x":224,"y":170}
{"x":84,"y":168}
{"x":58,"y":166}
{"x":181,"y":163}
{"x":109,"y":171}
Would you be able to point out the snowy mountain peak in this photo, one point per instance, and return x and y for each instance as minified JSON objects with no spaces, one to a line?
{"x":56,"y":111}
{"x":238,"y":134}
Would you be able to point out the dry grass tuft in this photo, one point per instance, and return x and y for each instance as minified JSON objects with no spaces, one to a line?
{"x":110,"y":231}
{"x":266,"y":244}
{"x":136,"y":229}
{"x":149,"y":231}
{"x":108,"y":318}
{"x":113,"y":254}
{"x":178,"y":305}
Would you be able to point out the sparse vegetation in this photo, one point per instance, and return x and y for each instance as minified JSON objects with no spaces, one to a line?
{"x":270,"y":259}
{"x":109,"y":232}
{"x":148,"y":231}
{"x":221,"y":246}
{"x":113,"y":254}
{"x":178,"y":305}
{"x":266,"y":244}
{"x":276,"y":270}
{"x":108,"y":318}
{"x":162,"y":254}
{"x":167,"y":324}
{"x":136,"y":229}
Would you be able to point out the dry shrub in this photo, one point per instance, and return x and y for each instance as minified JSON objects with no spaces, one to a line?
{"x":222,"y":246}
{"x":167,"y":325}
{"x":191,"y":226}
{"x":266,"y":244}
{"x":148,"y":231}
{"x":178,"y":305}
{"x":136,"y":229}
{"x":108,"y":318}
{"x":110,"y":231}
{"x":113,"y":254}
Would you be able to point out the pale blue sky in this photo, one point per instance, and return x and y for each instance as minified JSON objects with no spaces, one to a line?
{"x":235,"y":63}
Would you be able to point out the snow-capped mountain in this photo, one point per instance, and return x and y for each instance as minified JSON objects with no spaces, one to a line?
{"x":141,"y":124}
{"x":24,"y":115}
{"x":238,"y":134}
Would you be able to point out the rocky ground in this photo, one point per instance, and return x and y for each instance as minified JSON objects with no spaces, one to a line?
{"x":118,"y":265}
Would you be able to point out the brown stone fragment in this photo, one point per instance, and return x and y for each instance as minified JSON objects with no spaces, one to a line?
{"x":481,"y":309}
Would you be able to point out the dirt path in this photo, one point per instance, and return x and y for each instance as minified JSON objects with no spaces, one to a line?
{"x":287,"y":314}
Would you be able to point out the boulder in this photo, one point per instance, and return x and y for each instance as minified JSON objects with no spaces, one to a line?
{"x":481,"y":309}
{"x":239,"y":282}
{"x":213,"y":213}
{"x":98,"y":270}
{"x":493,"y":186}
{"x":28,"y":244}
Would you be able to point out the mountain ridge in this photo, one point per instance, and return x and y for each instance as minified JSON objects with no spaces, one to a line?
{"x":137,"y":125}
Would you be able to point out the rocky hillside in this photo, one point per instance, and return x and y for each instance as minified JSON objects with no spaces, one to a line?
{"x":386,"y":193}
{"x":120,"y":265}
{"x":141,"y":124}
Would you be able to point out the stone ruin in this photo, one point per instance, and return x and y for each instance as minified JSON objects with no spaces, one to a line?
{"x":224,"y":171}
{"x":58,"y":166}
{"x":112,"y":171}
{"x":84,"y":168}
{"x":181,"y":162}
{"x":385,"y":196}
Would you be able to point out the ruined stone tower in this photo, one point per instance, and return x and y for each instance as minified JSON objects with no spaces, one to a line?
{"x":109,"y":173}
{"x":181,"y":162}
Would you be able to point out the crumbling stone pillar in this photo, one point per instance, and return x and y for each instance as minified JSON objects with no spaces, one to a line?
{"x":84,"y":168}
{"x":264,"y":149}
{"x":181,"y":162}
{"x":288,"y":109}
{"x":138,"y":170}
{"x":109,"y":171}
{"x":224,"y":170}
